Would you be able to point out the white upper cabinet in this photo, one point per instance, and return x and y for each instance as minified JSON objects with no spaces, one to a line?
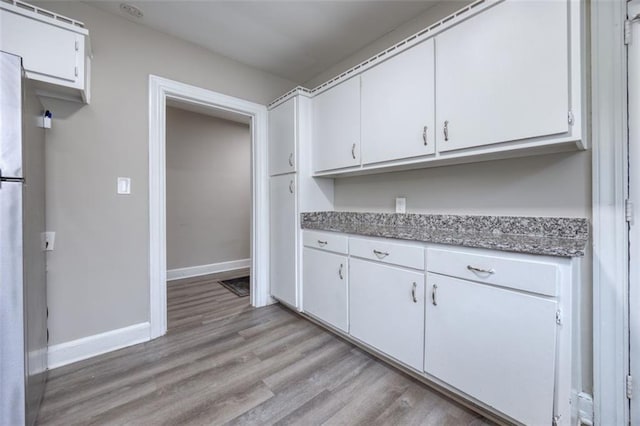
{"x":503,"y":75}
{"x":282,"y":138}
{"x":398,"y":106}
{"x":336,"y":127}
{"x":54,"y":50}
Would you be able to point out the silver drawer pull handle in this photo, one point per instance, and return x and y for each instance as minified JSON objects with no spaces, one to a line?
{"x":353,"y":151}
{"x":380,"y":254}
{"x":322,"y":243}
{"x":424,"y":135}
{"x":480,"y":270}
{"x":446,"y":130}
{"x":291,"y":187}
{"x":413,"y":292}
{"x":340,"y":271}
{"x":433,"y":295}
{"x":291,"y":159}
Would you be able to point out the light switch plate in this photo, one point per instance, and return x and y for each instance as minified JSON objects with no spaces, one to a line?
{"x":124,"y":185}
{"x":401,"y":205}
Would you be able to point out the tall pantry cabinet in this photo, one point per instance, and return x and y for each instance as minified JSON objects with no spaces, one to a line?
{"x":292,"y":190}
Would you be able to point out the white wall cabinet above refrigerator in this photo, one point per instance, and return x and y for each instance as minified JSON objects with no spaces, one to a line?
{"x":55,"y":50}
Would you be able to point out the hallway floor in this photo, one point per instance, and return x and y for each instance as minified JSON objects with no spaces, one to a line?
{"x":223,"y":361}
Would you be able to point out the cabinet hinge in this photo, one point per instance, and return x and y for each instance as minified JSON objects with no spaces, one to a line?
{"x":627,"y":32}
{"x":629,"y":386}
{"x":559,"y":317}
{"x":570,"y":118}
{"x":628,"y":210}
{"x":77,"y":46}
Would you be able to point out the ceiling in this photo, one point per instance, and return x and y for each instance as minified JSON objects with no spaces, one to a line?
{"x":295,"y":40}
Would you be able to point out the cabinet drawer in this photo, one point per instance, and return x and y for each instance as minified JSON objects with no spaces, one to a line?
{"x":409,"y":255}
{"x":330,"y":241}
{"x":503,"y":270}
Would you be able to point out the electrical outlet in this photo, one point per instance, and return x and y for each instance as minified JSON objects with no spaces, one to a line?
{"x":48,"y":239}
{"x":401,"y":205}
{"x":124,"y":185}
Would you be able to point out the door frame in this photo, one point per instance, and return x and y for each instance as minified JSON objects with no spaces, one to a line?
{"x":633,"y":64}
{"x":610,"y":229}
{"x":161,"y":89}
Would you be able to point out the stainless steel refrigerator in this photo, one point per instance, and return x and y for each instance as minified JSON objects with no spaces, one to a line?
{"x":23,"y":294}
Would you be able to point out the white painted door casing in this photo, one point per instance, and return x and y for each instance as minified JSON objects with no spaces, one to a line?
{"x":383,"y":312}
{"x":325,"y":287}
{"x":282,"y":138}
{"x":633,"y":64}
{"x":477,"y":334}
{"x":398,"y":102}
{"x":283,"y":238}
{"x":336,"y":127}
{"x":502,"y":76}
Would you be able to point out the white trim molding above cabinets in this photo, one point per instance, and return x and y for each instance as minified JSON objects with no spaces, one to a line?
{"x":55,"y":50}
{"x":485,"y":83}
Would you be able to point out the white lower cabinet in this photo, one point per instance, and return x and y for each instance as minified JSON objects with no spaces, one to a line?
{"x":283,"y":228}
{"x":386,"y":310}
{"x":324,"y":287}
{"x":494,"y":344}
{"x":490,"y":326}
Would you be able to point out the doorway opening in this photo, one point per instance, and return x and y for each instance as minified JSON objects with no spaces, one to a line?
{"x":208,"y":198}
{"x":163,"y":93}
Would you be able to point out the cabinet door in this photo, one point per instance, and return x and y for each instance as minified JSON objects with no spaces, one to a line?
{"x":336,"y":127}
{"x":398,"y":106}
{"x":386,"y":310}
{"x":282,"y":138}
{"x":503,"y":75}
{"x":283,"y":258}
{"x":324,"y":287}
{"x":496,"y":345}
{"x":46,"y":50}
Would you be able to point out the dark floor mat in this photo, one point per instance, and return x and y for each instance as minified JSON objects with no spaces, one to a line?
{"x":239,"y":286}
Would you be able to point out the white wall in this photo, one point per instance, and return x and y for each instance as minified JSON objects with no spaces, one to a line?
{"x":208,"y":189}
{"x":548,"y":185}
{"x":98,"y":274}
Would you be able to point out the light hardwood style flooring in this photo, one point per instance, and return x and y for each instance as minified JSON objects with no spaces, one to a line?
{"x":224,"y":362}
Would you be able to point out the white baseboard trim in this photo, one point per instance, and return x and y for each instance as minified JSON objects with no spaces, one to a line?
{"x":98,"y":344}
{"x":195,"y":271}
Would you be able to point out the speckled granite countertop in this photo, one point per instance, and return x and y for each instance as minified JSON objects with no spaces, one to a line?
{"x":552,"y":236}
